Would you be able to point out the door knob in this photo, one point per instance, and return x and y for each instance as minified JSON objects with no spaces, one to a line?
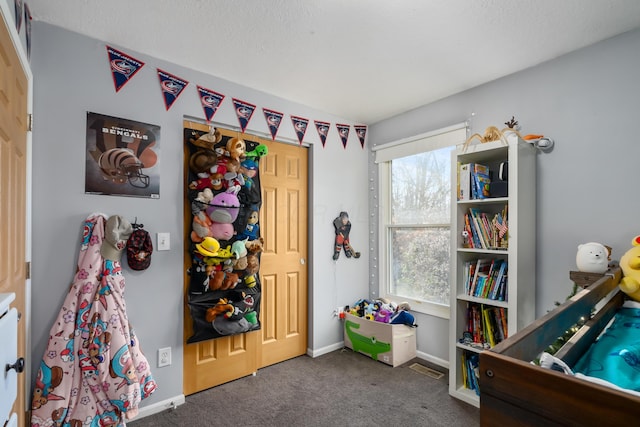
{"x":18,"y":365}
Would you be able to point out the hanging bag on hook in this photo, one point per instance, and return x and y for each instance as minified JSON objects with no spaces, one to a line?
{"x":139,"y":249}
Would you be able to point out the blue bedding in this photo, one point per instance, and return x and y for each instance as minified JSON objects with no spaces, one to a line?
{"x":615,"y":356}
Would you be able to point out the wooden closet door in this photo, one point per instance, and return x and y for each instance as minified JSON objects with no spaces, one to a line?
{"x":283,"y":309}
{"x":13,"y":191}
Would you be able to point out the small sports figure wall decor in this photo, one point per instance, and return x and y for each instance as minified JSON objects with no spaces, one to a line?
{"x":343,"y":227}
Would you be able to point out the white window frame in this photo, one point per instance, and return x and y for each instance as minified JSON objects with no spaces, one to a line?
{"x":444,"y":137}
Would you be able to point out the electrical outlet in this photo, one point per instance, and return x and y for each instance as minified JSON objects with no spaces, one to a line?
{"x":164,"y":357}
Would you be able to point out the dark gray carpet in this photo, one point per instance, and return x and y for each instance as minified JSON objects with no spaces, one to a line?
{"x":341,"y":388}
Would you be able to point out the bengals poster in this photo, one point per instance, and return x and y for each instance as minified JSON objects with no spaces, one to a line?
{"x":122,"y":157}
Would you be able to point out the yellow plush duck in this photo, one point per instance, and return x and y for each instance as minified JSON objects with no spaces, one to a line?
{"x":630,"y":265}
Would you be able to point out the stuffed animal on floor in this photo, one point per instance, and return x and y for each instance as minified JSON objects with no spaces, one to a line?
{"x":630,"y":265}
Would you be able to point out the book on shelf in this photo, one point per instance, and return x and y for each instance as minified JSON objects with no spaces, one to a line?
{"x":480,"y":180}
{"x":482,"y":266}
{"x":486,"y":326}
{"x":498,"y":292}
{"x":464,"y":191}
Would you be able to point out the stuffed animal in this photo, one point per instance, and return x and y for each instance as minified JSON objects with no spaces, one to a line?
{"x":383,"y":315}
{"x":593,"y":257}
{"x":221,"y":307}
{"x":224,"y":208}
{"x":630,"y":265}
{"x":201,"y":222}
{"x":236,"y":148}
{"x":252,"y":228}
{"x":221,"y":231}
{"x":223,"y":281}
{"x":254,"y":247}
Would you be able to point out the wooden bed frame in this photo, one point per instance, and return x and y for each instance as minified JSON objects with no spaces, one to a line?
{"x":514,"y":391}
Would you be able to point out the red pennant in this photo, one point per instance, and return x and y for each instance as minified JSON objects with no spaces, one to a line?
{"x":123,"y":67}
{"x":343,"y":131}
{"x":210,"y":100}
{"x":361,"y":131}
{"x":171,"y":86}
{"x":323,"y":130}
{"x":273,"y":119}
{"x":244,"y":111}
{"x":300,"y":126}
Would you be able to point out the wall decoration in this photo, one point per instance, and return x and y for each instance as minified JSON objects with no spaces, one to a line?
{"x":225,"y":245}
{"x":244,"y":111}
{"x":123,"y":67}
{"x":210,"y":100}
{"x":342,"y":227}
{"x":343,"y":131}
{"x":27,"y":29}
{"x":121,"y":157}
{"x":172,"y":86}
{"x":361,"y":131}
{"x":18,"y":9}
{"x":273,"y":119}
{"x":300,"y":126}
{"x":323,"y":130}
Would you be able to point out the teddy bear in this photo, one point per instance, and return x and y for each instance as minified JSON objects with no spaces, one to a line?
{"x":630,"y":265}
{"x":593,"y":257}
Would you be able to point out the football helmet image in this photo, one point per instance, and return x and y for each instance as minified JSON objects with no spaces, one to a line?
{"x":120,"y":165}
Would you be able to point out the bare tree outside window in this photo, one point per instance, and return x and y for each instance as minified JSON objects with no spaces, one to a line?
{"x":419,"y":228}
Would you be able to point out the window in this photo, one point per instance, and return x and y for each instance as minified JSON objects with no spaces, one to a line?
{"x":415,"y":219}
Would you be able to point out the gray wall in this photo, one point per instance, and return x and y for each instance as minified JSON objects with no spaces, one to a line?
{"x":71,"y":77}
{"x":587,"y":101}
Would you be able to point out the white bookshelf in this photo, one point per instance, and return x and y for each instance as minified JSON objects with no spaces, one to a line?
{"x":520,"y":253}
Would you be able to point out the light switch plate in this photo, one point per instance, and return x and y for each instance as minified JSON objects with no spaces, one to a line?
{"x":164,"y":241}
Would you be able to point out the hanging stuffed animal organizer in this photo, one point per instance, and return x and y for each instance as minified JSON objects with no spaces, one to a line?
{"x":223,"y":188}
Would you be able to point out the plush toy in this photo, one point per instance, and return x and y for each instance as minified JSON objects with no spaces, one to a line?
{"x":383,"y":315}
{"x":221,"y":231}
{"x":236,"y":148}
{"x":221,"y":307}
{"x":201,"y":222}
{"x":630,"y":265}
{"x":224,"y":208}
{"x":593,"y":257}
{"x":260,"y":151}
{"x":223,"y":281}
{"x":253,"y":228}
{"x":402,"y":316}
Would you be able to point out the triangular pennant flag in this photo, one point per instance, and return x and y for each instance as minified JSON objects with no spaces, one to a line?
{"x":361,"y":131}
{"x":172,"y":87}
{"x":273,"y":119}
{"x":343,"y":131}
{"x":300,"y":126}
{"x":123,"y":67}
{"x":210,"y":100}
{"x":323,"y":131}
{"x":244,"y":111}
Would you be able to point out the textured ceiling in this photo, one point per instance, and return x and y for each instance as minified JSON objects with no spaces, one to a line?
{"x":363,"y":60}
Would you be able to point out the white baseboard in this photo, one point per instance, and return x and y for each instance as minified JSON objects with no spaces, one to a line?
{"x":325,"y":350}
{"x":432,"y":359}
{"x":337,"y":346}
{"x":170,"y":403}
